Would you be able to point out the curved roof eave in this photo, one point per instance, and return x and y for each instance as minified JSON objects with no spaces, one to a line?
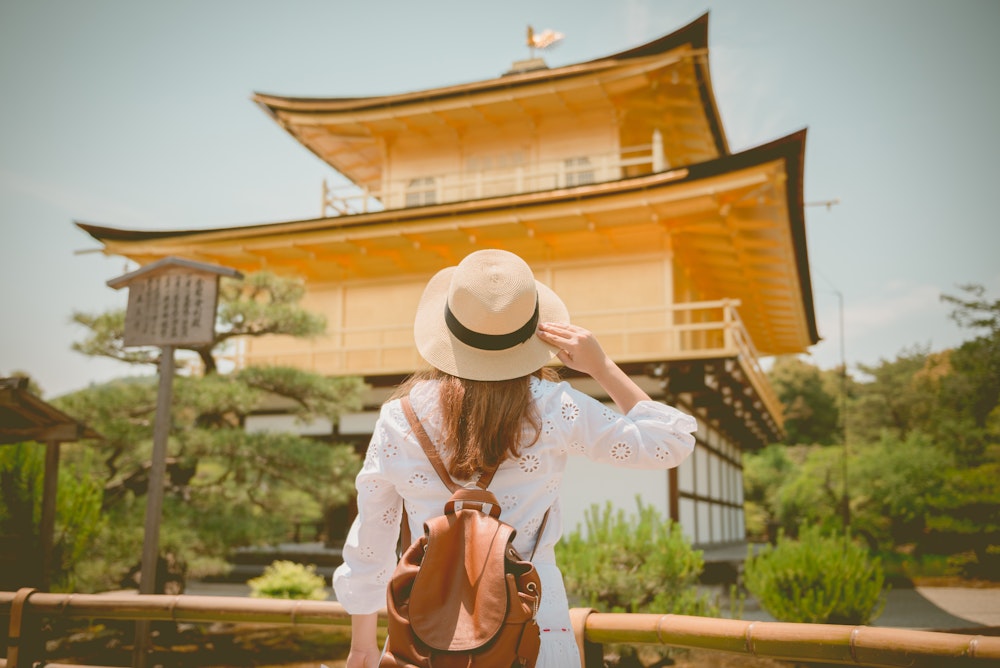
{"x":791,"y":148}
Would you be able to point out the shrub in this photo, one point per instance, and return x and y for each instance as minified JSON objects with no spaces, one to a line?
{"x":287,"y":579}
{"x":817,"y":578}
{"x":641,"y":563}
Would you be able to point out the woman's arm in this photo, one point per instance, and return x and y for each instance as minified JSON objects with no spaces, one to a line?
{"x":579,"y":350}
{"x":364,"y":644}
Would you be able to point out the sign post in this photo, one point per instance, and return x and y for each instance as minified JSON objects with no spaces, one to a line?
{"x":171,"y":303}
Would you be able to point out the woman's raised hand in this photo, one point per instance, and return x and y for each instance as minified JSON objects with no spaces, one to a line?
{"x":578,"y":348}
{"x":580,"y":351}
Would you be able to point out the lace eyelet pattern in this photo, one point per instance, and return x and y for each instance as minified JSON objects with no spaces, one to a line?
{"x":418,"y":480}
{"x":570,"y":411}
{"x":536,"y":388}
{"x":529,"y":463}
{"x":390,"y":516}
{"x":621,"y":452}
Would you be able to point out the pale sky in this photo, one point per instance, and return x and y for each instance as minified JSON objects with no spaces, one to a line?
{"x":138,"y":115}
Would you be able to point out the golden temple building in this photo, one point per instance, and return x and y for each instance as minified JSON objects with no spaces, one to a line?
{"x":613,"y":179}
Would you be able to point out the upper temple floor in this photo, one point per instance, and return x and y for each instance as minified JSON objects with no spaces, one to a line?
{"x":633,"y":113}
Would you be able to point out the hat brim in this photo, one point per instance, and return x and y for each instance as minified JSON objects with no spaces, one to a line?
{"x":439,"y":347}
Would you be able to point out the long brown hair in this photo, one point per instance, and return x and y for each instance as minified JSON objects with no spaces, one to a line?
{"x":482,"y":421}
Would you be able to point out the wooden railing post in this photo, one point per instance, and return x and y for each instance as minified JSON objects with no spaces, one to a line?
{"x":23,"y":646}
{"x":591,"y":654}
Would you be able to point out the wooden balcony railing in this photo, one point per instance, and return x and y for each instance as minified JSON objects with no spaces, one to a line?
{"x":472,"y":183}
{"x":690,"y":330}
{"x":853,"y":645}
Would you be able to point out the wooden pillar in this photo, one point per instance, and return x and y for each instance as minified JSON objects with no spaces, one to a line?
{"x":659,"y":159}
{"x":591,"y":654}
{"x":24,"y":648}
{"x":675,"y":495}
{"x":46,"y":528}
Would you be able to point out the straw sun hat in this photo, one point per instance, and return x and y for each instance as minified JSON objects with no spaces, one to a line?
{"x":478,"y":320}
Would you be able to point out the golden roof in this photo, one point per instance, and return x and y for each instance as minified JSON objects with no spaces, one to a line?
{"x":663,"y":84}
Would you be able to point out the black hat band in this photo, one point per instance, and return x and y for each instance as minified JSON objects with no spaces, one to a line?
{"x":490,"y":341}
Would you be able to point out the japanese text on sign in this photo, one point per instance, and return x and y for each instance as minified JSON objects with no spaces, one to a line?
{"x":171,"y":309}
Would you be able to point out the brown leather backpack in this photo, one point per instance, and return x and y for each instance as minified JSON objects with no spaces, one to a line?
{"x":461,"y":595}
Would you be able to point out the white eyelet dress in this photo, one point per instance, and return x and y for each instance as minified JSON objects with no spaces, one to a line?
{"x":652,"y":435}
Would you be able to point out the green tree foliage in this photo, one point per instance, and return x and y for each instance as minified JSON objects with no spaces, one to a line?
{"x":811,"y":410}
{"x":225,"y":487}
{"x":972,"y":391}
{"x":894,"y":483}
{"x":964,"y":515}
{"x":813,"y":493}
{"x":922,"y":453}
{"x":763,"y":475}
{"x":817,"y":578}
{"x":787,"y":486}
{"x":900,"y":398}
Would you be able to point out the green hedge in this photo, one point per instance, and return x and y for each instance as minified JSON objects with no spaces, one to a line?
{"x":287,"y":579}
{"x":817,"y":578}
{"x":637,"y":563}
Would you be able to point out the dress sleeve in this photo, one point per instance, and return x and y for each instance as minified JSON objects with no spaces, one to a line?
{"x":652,"y":435}
{"x":370,"y":549}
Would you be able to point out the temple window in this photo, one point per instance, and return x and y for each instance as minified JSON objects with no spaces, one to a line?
{"x":421,"y":191}
{"x":578,"y":171}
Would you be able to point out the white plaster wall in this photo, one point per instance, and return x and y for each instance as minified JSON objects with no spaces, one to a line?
{"x":587,"y":482}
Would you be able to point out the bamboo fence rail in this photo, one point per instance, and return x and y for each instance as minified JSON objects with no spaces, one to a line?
{"x":829,"y":643}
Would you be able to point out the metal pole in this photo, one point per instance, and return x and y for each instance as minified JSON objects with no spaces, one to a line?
{"x":154,"y":498}
{"x":846,"y":500}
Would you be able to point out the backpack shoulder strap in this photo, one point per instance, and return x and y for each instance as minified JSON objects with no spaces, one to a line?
{"x":428,"y":447}
{"x":432,"y":454}
{"x":541,"y":530}
{"x":439,"y":468}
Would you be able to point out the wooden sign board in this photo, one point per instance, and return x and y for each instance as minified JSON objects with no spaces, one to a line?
{"x":172,"y":303}
{"x":175,"y":308}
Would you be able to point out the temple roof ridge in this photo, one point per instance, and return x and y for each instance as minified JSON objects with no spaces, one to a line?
{"x":694,"y":34}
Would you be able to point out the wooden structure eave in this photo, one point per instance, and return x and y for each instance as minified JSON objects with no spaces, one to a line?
{"x":25,"y":417}
{"x":350,"y":133}
{"x":719,"y":216}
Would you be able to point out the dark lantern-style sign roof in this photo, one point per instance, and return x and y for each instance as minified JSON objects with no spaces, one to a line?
{"x":25,"y":417}
{"x":170,"y":262}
